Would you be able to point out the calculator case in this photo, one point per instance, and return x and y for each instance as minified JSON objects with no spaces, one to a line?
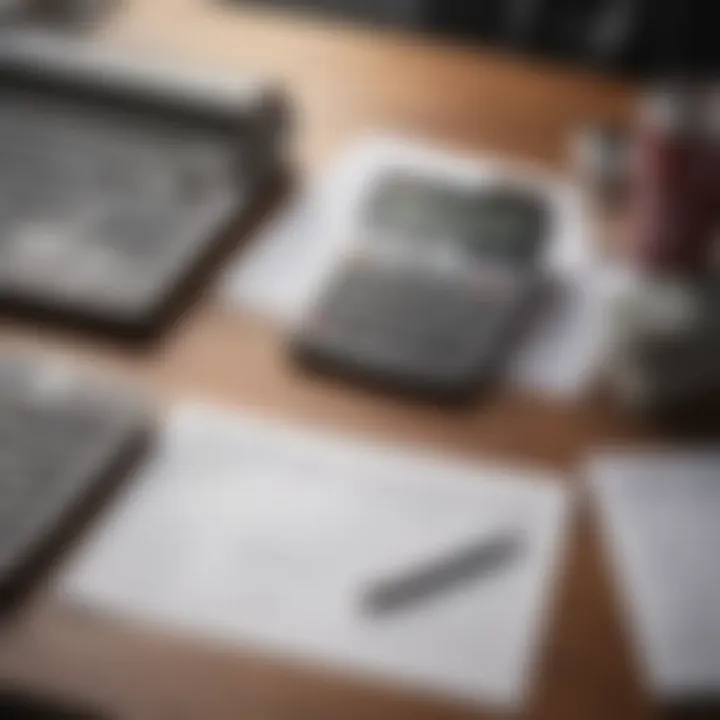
{"x":249,"y":118}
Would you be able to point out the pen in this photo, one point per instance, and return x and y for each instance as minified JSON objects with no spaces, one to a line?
{"x":425,"y":581}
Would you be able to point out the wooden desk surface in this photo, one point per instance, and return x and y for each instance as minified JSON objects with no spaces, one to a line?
{"x":345,"y":82}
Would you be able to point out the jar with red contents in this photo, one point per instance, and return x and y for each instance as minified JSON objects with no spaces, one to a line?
{"x":677,"y":183}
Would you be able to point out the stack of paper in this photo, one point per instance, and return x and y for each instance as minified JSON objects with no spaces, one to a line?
{"x":661,"y":516}
{"x":252,"y":532}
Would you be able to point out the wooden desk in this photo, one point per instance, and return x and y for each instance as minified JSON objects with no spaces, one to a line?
{"x":345,"y":82}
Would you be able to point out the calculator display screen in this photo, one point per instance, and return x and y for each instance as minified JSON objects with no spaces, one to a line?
{"x":496,"y":223}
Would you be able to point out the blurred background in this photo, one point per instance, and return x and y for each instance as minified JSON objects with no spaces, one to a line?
{"x":638,"y":37}
{"x":124,"y":122}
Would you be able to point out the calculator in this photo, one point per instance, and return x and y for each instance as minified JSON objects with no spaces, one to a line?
{"x":435,"y":289}
{"x":119,"y":178}
{"x":67,"y":438}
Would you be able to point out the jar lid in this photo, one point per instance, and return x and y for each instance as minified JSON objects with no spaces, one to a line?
{"x":677,"y":108}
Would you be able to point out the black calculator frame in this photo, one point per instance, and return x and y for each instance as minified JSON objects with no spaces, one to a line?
{"x":26,"y":704}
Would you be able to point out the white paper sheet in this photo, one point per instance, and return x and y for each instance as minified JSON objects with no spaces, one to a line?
{"x":287,"y":266}
{"x":252,"y":532}
{"x":661,"y":517}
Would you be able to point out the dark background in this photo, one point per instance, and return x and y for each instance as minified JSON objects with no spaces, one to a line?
{"x":650,"y":38}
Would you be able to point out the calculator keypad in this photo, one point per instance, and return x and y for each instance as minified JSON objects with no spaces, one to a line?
{"x":403,"y":321}
{"x":95,"y":205}
{"x":60,"y":432}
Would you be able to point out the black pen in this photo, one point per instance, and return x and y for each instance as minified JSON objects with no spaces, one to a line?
{"x":418,"y":584}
